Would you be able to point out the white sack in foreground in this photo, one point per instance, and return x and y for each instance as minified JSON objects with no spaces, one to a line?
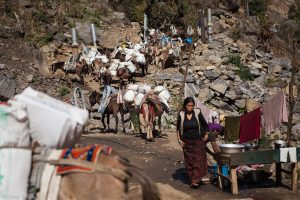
{"x":15,"y":167}
{"x":53,"y":123}
{"x":14,"y":125}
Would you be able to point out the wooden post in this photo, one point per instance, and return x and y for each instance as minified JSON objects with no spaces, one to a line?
{"x":291,"y":95}
{"x":220,"y":180}
{"x":186,"y":68}
{"x":278,"y":174}
{"x":234,"y":184}
{"x":294,"y":177}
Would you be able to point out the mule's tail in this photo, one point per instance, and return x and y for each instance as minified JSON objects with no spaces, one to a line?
{"x":149,"y":189}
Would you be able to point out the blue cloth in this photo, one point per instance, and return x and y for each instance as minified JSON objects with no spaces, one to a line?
{"x":165,"y":40}
{"x":188,"y":40}
{"x":108,"y":90}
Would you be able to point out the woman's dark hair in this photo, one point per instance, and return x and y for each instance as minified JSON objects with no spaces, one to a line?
{"x":188,"y":100}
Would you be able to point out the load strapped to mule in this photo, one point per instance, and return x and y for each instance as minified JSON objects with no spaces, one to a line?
{"x":33,"y":119}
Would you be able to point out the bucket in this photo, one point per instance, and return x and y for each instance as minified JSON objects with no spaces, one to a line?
{"x":224,"y":170}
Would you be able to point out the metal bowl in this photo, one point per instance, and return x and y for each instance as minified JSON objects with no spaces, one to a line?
{"x":280,"y":144}
{"x":231,"y":148}
{"x":251,"y":147}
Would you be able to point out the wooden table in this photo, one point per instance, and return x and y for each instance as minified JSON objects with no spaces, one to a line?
{"x":254,"y":157}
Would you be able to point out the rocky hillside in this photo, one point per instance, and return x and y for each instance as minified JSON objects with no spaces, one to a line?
{"x":248,"y":61}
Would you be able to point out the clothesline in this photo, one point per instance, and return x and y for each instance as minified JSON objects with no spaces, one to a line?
{"x":247,"y":127}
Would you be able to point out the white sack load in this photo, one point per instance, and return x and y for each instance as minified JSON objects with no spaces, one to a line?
{"x":116,"y":61}
{"x":165,"y":102}
{"x":140,"y":58}
{"x":104,"y":59}
{"x":137,"y":47}
{"x":145,"y":89}
{"x":159,"y":89}
{"x":113,"y":73}
{"x":102,"y":70}
{"x":113,"y":66}
{"x":128,"y":57}
{"x":53,"y":123}
{"x":151,"y":32}
{"x":129,"y":96}
{"x":165,"y":94}
{"x":14,"y":125}
{"x":138,"y":99}
{"x":131,"y":67}
{"x":133,"y":87}
{"x":128,"y":51}
{"x":15,"y":165}
{"x":122,"y":65}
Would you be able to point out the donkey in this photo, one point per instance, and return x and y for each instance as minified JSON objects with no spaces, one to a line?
{"x":81,"y":68}
{"x":151,"y":108}
{"x":112,"y":108}
{"x":110,"y":179}
{"x":124,"y":73}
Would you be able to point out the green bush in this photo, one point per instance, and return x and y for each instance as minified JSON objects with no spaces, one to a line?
{"x":265,"y":142}
{"x":236,"y":33}
{"x":243,"y":71}
{"x":63,"y":91}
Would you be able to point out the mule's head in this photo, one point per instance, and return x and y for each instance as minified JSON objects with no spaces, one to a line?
{"x":107,"y":78}
{"x":94,"y":98}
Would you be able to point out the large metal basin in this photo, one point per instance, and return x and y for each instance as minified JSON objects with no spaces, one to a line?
{"x":231,"y":148}
{"x":280,"y":144}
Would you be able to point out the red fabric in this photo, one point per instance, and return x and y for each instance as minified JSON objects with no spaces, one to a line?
{"x":143,"y":111}
{"x":151,"y":110}
{"x":250,"y":126}
{"x":195,"y":158}
{"x":82,"y":154}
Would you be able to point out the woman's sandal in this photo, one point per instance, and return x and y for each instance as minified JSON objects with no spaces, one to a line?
{"x":195,"y":185}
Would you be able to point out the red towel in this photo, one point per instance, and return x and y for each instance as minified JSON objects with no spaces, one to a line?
{"x":250,"y":126}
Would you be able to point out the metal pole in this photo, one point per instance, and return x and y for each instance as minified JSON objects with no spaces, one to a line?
{"x":145,"y":27}
{"x":93,"y":32}
{"x":209,"y":25}
{"x":74,"y":37}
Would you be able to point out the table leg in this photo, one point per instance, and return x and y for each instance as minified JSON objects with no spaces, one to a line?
{"x":234,"y":184}
{"x":278,"y":174}
{"x":294,"y":177}
{"x":220,"y":185}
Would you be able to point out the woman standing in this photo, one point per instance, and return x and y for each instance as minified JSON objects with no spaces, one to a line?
{"x":192,"y":133}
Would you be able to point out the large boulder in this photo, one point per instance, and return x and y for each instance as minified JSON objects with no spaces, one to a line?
{"x":7,"y":86}
{"x":251,"y":105}
{"x":219,"y":85}
{"x":296,"y":131}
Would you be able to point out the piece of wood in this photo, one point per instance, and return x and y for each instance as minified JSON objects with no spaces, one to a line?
{"x":257,"y":157}
{"x":286,"y":171}
{"x":223,"y":176}
{"x":278,"y":174}
{"x":234,"y":183}
{"x":254,"y":157}
{"x":220,"y":185}
{"x":294,"y":177}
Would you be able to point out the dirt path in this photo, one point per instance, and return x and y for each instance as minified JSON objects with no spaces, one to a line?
{"x":162,"y":160}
